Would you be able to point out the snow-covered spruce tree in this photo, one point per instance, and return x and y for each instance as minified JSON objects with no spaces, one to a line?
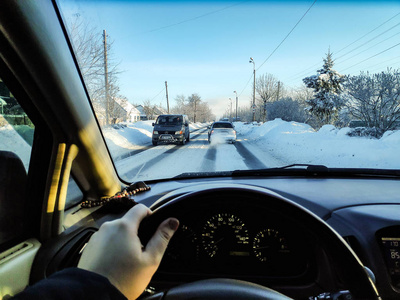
{"x":327,"y":85}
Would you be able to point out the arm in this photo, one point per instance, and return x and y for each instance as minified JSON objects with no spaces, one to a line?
{"x":114,"y":264}
{"x":116,"y":252}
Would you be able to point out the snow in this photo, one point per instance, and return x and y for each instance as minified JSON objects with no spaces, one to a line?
{"x":275,"y":143}
{"x":299,"y":143}
{"x":11,"y":141}
{"x":134,"y":136}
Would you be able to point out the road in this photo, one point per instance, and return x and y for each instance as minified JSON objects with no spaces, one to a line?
{"x":165,"y":161}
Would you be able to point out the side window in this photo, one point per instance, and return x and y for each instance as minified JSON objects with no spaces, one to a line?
{"x":16,"y":138}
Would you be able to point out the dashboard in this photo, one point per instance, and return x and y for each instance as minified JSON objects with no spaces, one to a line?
{"x":233,"y":235}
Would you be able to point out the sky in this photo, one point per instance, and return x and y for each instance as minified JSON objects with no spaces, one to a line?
{"x":204,"y":47}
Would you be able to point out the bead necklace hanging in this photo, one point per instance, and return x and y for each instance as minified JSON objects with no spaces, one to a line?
{"x":122,"y":199}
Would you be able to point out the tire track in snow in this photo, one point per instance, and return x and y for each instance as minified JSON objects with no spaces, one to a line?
{"x":148,"y":164}
{"x":251,"y":161}
{"x":209,"y":159}
{"x":144,"y":148}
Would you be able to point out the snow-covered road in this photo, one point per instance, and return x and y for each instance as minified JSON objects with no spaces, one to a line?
{"x":196,"y":156}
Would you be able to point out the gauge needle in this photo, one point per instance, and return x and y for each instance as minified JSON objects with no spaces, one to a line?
{"x":220,"y":240}
{"x":263,"y":247}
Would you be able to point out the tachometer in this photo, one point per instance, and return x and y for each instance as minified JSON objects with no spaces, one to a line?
{"x":183,"y":247}
{"x":269,"y":244}
{"x":225,"y":235}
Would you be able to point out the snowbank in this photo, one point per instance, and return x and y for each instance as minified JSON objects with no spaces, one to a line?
{"x":10,"y":140}
{"x":299,"y":143}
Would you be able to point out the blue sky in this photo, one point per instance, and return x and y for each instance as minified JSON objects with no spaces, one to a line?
{"x":205,"y":48}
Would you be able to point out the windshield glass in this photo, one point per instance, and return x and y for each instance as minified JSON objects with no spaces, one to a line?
{"x":169,"y":120}
{"x":303,"y":82}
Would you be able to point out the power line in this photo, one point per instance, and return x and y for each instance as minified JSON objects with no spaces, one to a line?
{"x":246,"y":85}
{"x":157,"y":94}
{"x":383,"y":62}
{"x":375,"y":37}
{"x":302,"y":73}
{"x":191,"y":19}
{"x":287,"y":34}
{"x":372,"y":57}
{"x":368,"y":48}
{"x":368,"y":32}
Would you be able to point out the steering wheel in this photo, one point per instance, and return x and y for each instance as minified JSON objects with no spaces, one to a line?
{"x":349,"y":268}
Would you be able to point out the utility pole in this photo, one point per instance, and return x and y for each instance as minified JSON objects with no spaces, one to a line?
{"x":106,"y":75}
{"x":236,"y":118}
{"x":254,"y":88}
{"x":230,"y":115}
{"x":279,"y":88}
{"x":166,"y":93}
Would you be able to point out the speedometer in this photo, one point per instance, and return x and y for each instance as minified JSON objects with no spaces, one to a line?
{"x":225,"y":235}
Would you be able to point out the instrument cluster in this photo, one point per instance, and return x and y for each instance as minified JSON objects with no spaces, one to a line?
{"x":238,"y":242}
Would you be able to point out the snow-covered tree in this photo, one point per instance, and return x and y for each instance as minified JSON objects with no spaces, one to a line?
{"x":286,"y":109}
{"x":375,"y":99}
{"x":327,"y":86}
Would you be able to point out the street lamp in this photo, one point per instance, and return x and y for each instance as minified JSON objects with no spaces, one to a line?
{"x":236,"y":118}
{"x":254,"y":88}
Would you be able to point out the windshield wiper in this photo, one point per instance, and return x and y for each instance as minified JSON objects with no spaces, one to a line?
{"x":304,"y":170}
{"x":317,"y":171}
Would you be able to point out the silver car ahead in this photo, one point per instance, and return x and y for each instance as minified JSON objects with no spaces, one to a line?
{"x":222,"y":132}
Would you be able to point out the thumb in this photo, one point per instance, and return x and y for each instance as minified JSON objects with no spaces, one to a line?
{"x":159,"y":242}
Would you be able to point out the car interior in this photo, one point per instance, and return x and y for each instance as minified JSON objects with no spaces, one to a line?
{"x":304,"y":231}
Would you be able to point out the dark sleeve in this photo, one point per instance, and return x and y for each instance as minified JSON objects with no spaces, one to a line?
{"x":72,"y":283}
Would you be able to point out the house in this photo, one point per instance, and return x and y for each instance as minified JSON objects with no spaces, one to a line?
{"x":143,"y":115}
{"x":126,"y":111}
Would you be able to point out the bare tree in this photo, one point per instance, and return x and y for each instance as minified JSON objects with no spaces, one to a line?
{"x":89,"y":49}
{"x":193,"y":101}
{"x":194,"y":107}
{"x":375,"y":99}
{"x":180,"y":107}
{"x":149,"y":109}
{"x":267,"y":89}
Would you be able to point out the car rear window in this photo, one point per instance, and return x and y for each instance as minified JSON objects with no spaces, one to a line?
{"x":223,"y":125}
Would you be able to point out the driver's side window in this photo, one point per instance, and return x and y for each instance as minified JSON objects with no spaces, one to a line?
{"x":16,"y":138}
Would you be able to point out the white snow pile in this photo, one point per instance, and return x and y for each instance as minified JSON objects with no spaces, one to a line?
{"x":11,"y":141}
{"x":132,"y":137}
{"x":299,"y":143}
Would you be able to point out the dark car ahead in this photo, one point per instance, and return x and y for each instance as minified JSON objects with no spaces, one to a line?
{"x":171,"y":129}
{"x":222,"y":132}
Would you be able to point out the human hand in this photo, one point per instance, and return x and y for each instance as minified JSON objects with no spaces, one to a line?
{"x":115,"y":251}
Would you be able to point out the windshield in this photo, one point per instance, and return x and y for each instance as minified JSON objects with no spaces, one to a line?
{"x":303,"y":82}
{"x":169,"y":120}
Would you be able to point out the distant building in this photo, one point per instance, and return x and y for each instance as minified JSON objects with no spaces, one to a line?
{"x":126,"y":111}
{"x":141,"y":109}
{"x":150,"y":113}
